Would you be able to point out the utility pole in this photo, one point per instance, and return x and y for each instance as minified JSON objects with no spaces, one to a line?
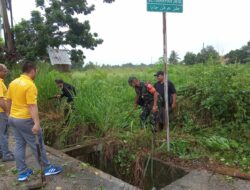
{"x":9,"y":41}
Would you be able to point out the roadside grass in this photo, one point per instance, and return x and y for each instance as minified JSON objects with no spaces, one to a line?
{"x":213,"y":117}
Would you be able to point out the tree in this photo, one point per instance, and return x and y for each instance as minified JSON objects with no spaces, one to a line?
{"x":174,"y":57}
{"x":239,"y":55}
{"x":236,"y":56}
{"x":32,"y":37}
{"x":190,"y":58}
{"x":56,"y":25}
{"x":246,"y":49}
{"x":206,"y":54}
{"x":90,"y":66}
{"x":77,"y":59}
{"x":7,"y":32}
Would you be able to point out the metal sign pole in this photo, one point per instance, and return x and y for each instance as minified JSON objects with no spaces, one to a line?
{"x":174,"y":7}
{"x":165,"y":57}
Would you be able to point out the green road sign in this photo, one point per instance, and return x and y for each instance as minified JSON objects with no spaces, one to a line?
{"x":175,"y":6}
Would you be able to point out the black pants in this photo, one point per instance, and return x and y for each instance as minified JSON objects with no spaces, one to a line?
{"x":153,"y":117}
{"x":162,"y":116}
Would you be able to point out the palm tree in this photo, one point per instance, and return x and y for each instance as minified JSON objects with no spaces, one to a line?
{"x":174,"y":57}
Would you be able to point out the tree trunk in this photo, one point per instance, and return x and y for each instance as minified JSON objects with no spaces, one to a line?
{"x":7,"y":32}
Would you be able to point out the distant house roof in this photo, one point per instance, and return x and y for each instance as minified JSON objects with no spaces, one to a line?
{"x":59,"y":56}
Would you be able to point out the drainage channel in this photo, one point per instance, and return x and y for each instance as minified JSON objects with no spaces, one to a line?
{"x":156,"y":175}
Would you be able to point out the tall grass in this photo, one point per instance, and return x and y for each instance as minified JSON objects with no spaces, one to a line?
{"x":104,"y":98}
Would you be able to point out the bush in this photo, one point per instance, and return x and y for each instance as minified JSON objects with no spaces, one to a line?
{"x":218,"y":96}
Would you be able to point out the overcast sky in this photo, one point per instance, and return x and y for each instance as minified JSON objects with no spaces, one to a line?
{"x":131,"y":34}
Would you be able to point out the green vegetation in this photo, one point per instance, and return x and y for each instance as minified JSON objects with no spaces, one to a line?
{"x":173,"y":57}
{"x":241,"y":55}
{"x":212,"y":121}
{"x":210,"y":55}
{"x":213,"y":115}
{"x":207,"y":54}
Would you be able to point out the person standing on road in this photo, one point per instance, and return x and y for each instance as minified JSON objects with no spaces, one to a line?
{"x":159,"y":86}
{"x":148,"y":98}
{"x":24,"y":119}
{"x":5,"y":153}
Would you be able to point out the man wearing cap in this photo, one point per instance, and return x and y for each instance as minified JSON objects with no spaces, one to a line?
{"x":24,"y":120}
{"x":159,"y":86}
{"x":5,"y":153}
{"x":148,"y":98}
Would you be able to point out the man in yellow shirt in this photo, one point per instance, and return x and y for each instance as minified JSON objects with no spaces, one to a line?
{"x":5,"y":153}
{"x":24,"y":119}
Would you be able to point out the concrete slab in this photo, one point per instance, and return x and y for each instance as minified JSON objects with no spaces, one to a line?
{"x":204,"y":180}
{"x":80,"y":176}
{"x":76,"y":175}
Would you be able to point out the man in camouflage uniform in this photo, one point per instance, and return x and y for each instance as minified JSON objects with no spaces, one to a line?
{"x":149,"y":99}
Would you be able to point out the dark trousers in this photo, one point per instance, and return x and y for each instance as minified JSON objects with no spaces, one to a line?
{"x":153,"y":117}
{"x":162,"y":116}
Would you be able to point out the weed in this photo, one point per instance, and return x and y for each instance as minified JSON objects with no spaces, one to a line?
{"x":213,"y":115}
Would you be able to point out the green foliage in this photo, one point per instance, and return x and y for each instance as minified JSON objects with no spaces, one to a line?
{"x":55,"y":25}
{"x":46,"y":79}
{"x":14,"y":171}
{"x":217,"y":95}
{"x":90,"y":66}
{"x":183,"y":148}
{"x":101,"y":99}
{"x":101,"y":188}
{"x":239,"y":55}
{"x":77,"y":59}
{"x":39,"y":3}
{"x":1,"y":42}
{"x":213,"y":110}
{"x":124,"y":160}
{"x":236,"y":56}
{"x":108,"y":1}
{"x":217,"y":143}
{"x":174,"y":57}
{"x":180,"y":147}
{"x":190,"y":58}
{"x":31,"y":37}
{"x":2,"y":50}
{"x":206,"y":54}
